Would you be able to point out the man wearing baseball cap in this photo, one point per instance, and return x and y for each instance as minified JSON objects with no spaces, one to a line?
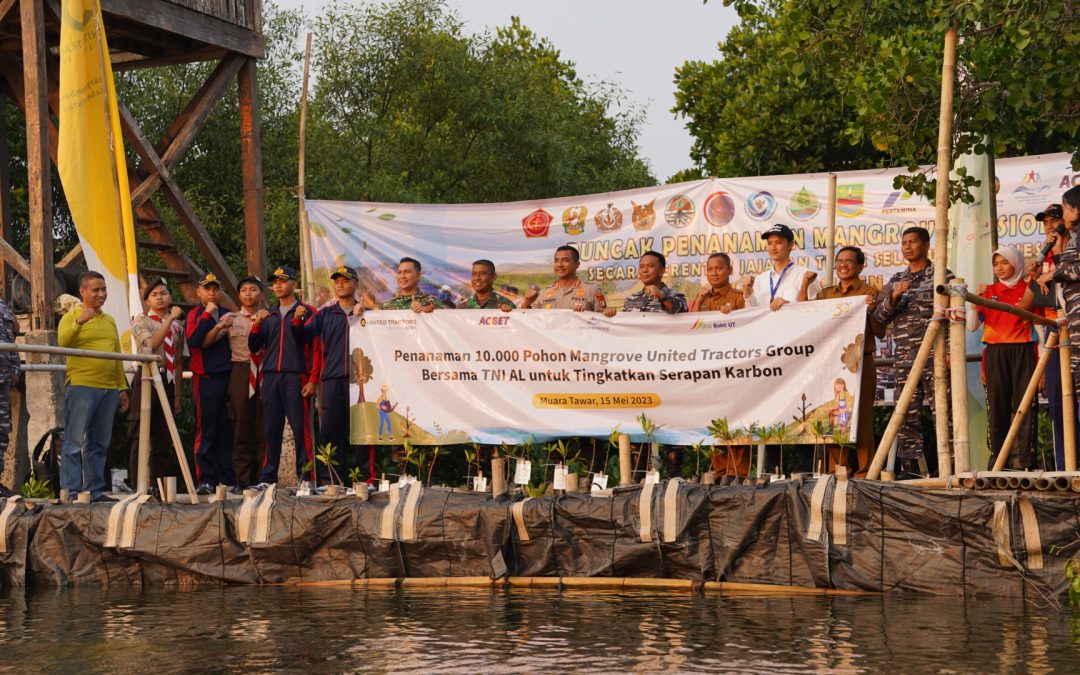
{"x":786,"y":281}
{"x":211,"y":363}
{"x":328,"y":329}
{"x":288,"y":374}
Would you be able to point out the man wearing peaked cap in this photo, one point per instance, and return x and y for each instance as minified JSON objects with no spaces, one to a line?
{"x":288,"y":372}
{"x":206,"y":330}
{"x":328,"y":331}
{"x":786,"y":281}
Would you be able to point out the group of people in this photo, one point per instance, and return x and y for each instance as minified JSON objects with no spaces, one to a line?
{"x":255,"y":368}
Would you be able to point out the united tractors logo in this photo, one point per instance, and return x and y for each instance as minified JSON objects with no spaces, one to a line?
{"x":679,"y":212}
{"x":536,"y":224}
{"x":574,"y":219}
{"x":760,"y":205}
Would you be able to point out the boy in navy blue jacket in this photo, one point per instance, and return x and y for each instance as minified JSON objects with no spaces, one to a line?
{"x":329,"y":329}
{"x":211,"y":364}
{"x":286,"y":372}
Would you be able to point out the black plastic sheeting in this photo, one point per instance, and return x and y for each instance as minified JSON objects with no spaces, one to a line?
{"x":945,"y":542}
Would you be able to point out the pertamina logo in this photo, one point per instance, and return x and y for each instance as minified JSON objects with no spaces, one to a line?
{"x":494,"y":321}
{"x":536,"y":224}
{"x":898,"y":202}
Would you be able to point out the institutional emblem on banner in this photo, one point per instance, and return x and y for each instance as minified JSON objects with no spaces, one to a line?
{"x":643,"y":216}
{"x":719,"y":209}
{"x":898,"y":202}
{"x":574,"y":219}
{"x":804,"y":205}
{"x":849,"y":199}
{"x":608,"y":219}
{"x":680,"y":211}
{"x":760,"y":205}
{"x":536,"y":224}
{"x":1031,"y":188}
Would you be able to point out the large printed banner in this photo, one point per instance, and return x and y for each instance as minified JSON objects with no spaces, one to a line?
{"x":493,"y":377}
{"x":685,"y":221}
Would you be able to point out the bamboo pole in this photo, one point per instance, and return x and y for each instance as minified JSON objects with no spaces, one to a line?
{"x":626,"y":472}
{"x":145,"y":385}
{"x":958,"y":373}
{"x":991,"y":180}
{"x":306,"y":263}
{"x":904,"y":401}
{"x":68,"y":351}
{"x":995,"y":305}
{"x":1025,"y":402}
{"x":1068,"y":395}
{"x":830,"y":233}
{"x":498,"y":476}
{"x":174,"y":434}
{"x":941,"y":250}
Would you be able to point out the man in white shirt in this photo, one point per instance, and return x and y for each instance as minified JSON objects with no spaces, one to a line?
{"x":786,"y":282}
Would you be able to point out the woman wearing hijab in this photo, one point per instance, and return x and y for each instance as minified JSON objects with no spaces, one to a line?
{"x":1008,"y":362}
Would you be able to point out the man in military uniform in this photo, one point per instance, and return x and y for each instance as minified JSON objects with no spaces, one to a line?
{"x":409,"y":295}
{"x":720,"y":296}
{"x":656,"y":296}
{"x":568,"y":292}
{"x":483,"y":283}
{"x":9,"y":377}
{"x":849,"y":265}
{"x":907,"y":302}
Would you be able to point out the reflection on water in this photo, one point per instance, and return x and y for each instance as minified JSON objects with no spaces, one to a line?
{"x":329,"y":630}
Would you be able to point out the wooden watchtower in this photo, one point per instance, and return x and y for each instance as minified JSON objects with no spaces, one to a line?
{"x":141,"y":34}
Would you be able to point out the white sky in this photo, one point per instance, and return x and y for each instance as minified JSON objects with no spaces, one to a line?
{"x":633,"y":43}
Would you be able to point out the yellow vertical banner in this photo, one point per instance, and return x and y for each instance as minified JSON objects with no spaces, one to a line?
{"x":91,"y":161}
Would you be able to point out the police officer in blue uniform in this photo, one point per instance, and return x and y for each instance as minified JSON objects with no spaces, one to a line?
{"x":286,"y":369}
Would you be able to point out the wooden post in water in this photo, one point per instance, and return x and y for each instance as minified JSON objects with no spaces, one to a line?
{"x":941,"y":252}
{"x":830,"y":233}
{"x":1068,"y":394}
{"x":626,"y":471}
{"x":958,"y":372}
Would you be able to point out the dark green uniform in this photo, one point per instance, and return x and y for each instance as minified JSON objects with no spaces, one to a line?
{"x":400,"y":301}
{"x":494,"y":301}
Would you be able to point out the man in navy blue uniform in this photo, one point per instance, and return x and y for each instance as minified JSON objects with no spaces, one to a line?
{"x":211,"y":363}
{"x":331,"y":326}
{"x":286,"y":372}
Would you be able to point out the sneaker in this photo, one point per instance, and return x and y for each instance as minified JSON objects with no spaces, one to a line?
{"x":5,"y":493}
{"x":238,"y":489}
{"x":259,"y":487}
{"x":102,"y":498}
{"x":205,"y":489}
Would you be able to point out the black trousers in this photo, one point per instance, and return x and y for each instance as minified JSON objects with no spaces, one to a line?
{"x":334,"y":422}
{"x":1008,"y":369}
{"x":282,"y":400}
{"x":161,"y":447}
{"x":213,"y":430}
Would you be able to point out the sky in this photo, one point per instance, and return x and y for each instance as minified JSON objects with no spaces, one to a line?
{"x":633,"y":43}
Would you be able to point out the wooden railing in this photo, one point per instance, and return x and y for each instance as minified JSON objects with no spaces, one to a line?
{"x":246,"y":13}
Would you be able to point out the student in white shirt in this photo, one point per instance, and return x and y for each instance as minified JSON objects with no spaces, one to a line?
{"x":786,"y":282}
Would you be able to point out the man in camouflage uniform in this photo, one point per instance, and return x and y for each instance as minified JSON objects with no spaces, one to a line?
{"x":656,"y":296}
{"x":483,"y":283}
{"x":9,"y":376}
{"x":409,"y":295}
{"x":1067,"y":274}
{"x":907,"y":302}
{"x":568,"y":292}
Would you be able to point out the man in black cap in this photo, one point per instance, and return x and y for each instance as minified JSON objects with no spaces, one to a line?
{"x":787,"y":282}
{"x":245,"y":403}
{"x":211,"y":364}
{"x":286,"y":372}
{"x":329,"y":330}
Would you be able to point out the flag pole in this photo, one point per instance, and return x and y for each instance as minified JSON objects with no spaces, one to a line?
{"x":306,"y":265}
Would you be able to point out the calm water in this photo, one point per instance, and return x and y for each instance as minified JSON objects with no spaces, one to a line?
{"x":334,"y":630}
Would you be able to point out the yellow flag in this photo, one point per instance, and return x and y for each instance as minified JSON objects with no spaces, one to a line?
{"x":90,"y":155}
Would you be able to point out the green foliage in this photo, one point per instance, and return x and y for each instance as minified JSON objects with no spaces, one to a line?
{"x":356,"y":475}
{"x":1072,"y":573}
{"x":35,"y":488}
{"x":814,"y":85}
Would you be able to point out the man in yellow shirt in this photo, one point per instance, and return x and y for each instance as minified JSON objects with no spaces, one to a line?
{"x":95,"y":390}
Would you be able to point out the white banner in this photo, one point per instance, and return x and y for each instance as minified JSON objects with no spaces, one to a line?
{"x":685,"y":221}
{"x":493,"y":377}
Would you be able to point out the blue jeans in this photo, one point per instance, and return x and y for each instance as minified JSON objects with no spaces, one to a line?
{"x":87,"y":434}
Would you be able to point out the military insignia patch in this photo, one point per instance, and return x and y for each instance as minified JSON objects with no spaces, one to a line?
{"x":574,"y":219}
{"x":680,"y":211}
{"x":536,"y":224}
{"x":609,"y":219}
{"x":643,"y":216}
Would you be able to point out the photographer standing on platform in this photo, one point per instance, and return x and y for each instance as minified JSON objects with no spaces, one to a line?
{"x":96,"y":389}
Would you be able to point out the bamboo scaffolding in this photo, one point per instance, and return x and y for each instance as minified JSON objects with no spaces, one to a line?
{"x":1068,"y":395}
{"x":941,"y":252}
{"x":958,"y":377}
{"x":954,"y":288}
